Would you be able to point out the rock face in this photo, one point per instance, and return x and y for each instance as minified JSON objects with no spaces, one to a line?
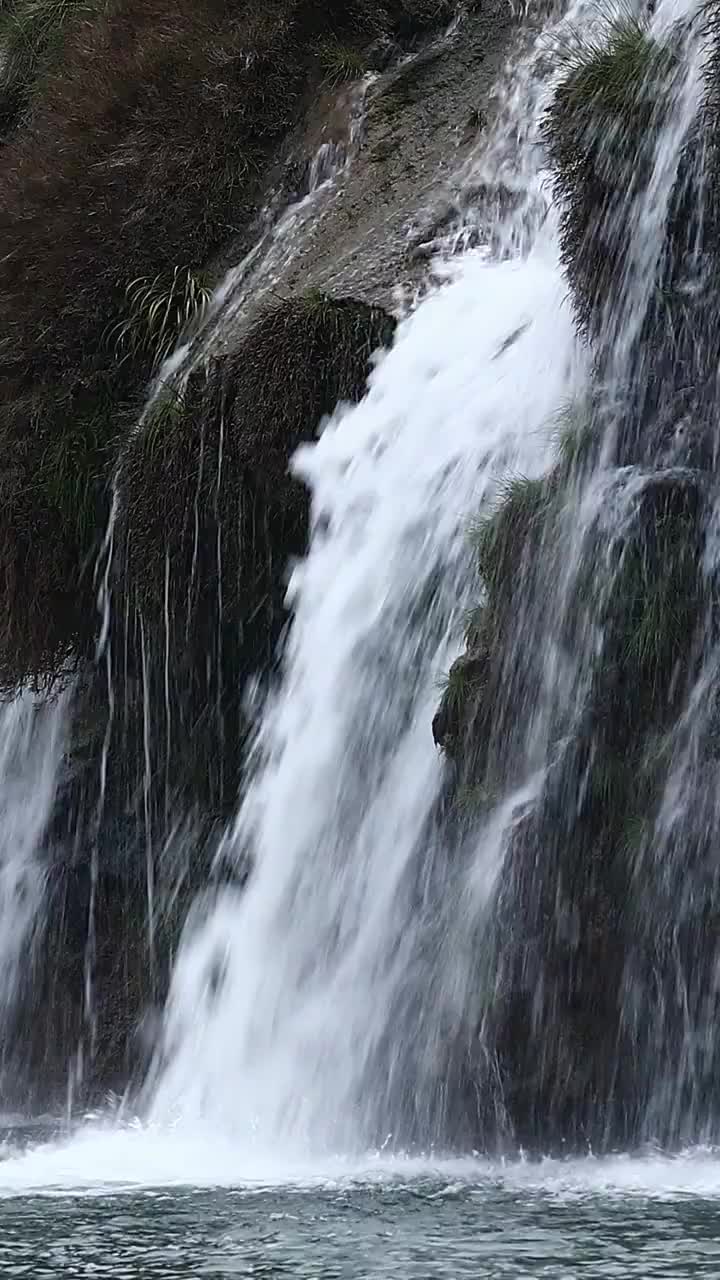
{"x":171,"y":125}
{"x":183,"y":131}
{"x":604,"y":936}
{"x":172,"y":121}
{"x":208,"y":520}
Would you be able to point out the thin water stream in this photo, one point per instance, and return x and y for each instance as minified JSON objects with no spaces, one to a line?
{"x":314,"y":1011}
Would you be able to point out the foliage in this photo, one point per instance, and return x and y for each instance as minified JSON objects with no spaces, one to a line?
{"x":502,"y":538}
{"x":341,"y":61}
{"x":159,"y":313}
{"x":576,"y":433}
{"x":223,"y":449}
{"x":32,"y":33}
{"x":600,"y":132}
{"x":144,"y":153}
{"x":659,"y":593}
{"x":51,"y":518}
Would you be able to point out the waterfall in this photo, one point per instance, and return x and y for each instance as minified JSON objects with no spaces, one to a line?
{"x":388,"y":968}
{"x":32,"y":740}
{"x":308,"y":1008}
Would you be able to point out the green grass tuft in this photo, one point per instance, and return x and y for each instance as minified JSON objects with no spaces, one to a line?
{"x":160,"y":312}
{"x":600,"y":132}
{"x":341,"y":62}
{"x":32,"y":33}
{"x":575,"y":435}
{"x":501,"y":538}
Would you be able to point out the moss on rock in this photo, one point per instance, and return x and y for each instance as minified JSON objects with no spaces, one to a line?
{"x":227,"y":440}
{"x":52,"y":516}
{"x":601,"y":131}
{"x":210,"y":517}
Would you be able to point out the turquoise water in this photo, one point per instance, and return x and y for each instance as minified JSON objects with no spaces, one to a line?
{"x":143,"y":1206}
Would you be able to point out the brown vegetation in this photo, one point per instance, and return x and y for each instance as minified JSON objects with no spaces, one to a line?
{"x":136,"y":148}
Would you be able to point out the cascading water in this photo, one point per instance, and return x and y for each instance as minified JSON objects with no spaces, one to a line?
{"x":32,"y":740}
{"x":325,"y":1004}
{"x":297,"y":1007}
{"x":281,"y":999}
{"x":469,"y":900}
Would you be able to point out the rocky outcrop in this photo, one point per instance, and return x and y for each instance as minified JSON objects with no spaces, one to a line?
{"x":172,"y":121}
{"x":208,"y":521}
{"x":597,"y":601}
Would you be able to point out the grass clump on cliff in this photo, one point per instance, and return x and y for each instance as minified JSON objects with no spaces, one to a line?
{"x":159,"y":313}
{"x":32,"y":34}
{"x":600,"y":131}
{"x":210,"y":518}
{"x":223,"y":450}
{"x":503,"y":538}
{"x":341,"y":62}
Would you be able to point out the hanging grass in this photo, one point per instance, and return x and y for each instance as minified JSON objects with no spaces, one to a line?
{"x":502,"y":538}
{"x":210,"y":518}
{"x":576,"y":435}
{"x":160,"y":312}
{"x":600,"y":132}
{"x":52,"y":517}
{"x":220,"y":454}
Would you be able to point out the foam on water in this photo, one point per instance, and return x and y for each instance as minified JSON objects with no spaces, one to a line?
{"x":102,"y":1158}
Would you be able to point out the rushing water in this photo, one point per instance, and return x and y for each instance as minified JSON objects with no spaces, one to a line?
{"x":315,"y":1010}
{"x":133,"y":1206}
{"x":32,"y":740}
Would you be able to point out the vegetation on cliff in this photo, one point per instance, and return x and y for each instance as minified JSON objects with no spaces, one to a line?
{"x":209,"y":518}
{"x":137,"y":141}
{"x":595,"y":600}
{"x":601,"y":132}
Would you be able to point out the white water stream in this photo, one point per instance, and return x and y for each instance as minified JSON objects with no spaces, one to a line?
{"x":288,"y":1017}
{"x":32,"y":740}
{"x":284,"y":996}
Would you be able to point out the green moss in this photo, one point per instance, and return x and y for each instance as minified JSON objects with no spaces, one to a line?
{"x":502,"y":538}
{"x":658,"y":595}
{"x":223,"y":450}
{"x":472,"y":799}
